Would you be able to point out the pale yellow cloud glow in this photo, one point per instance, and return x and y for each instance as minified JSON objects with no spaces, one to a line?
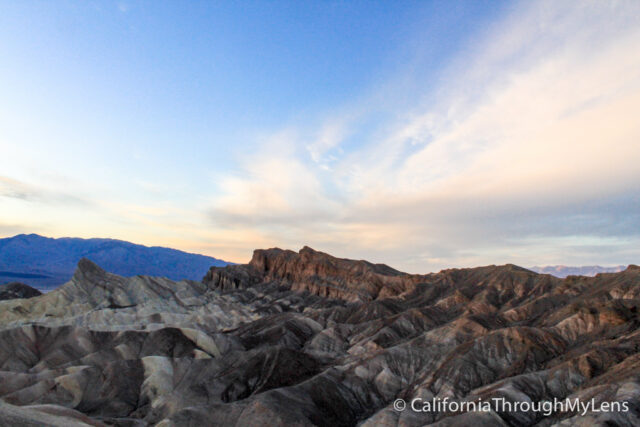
{"x":545,"y":113}
{"x":527,"y":151}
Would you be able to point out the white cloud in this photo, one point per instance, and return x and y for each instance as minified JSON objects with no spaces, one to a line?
{"x":539,"y":121}
{"x":277,"y":185}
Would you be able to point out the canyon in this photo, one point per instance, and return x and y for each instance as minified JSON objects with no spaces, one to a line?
{"x":304,"y":338}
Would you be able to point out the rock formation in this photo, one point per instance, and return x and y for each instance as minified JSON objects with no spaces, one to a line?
{"x":15,"y":290}
{"x":308,"y":339}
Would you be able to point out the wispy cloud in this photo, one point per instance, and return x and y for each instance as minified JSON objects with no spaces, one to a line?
{"x":522,"y":148}
{"x":15,"y":189}
{"x":123,"y":7}
{"x":531,"y":139}
{"x":279,"y":184}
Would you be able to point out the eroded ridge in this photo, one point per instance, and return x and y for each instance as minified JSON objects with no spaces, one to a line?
{"x":304,"y":338}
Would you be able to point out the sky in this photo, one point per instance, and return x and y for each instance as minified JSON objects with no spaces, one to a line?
{"x":425,"y":135}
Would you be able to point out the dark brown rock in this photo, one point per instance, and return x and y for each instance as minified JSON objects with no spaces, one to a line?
{"x":15,"y":290}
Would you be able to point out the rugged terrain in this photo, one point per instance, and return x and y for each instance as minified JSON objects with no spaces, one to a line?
{"x":46,"y":263}
{"x":308,"y":339}
{"x":15,"y":290}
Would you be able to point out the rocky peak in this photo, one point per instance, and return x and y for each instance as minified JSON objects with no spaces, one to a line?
{"x":263,"y":260}
{"x":313,"y":271}
{"x":309,"y":262}
{"x":91,"y":284}
{"x":88,"y":270}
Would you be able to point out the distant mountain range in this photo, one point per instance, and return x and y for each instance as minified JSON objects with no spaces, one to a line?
{"x":46,"y":263}
{"x":564,"y":271}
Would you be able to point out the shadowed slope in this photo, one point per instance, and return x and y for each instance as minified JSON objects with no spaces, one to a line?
{"x":15,"y":290}
{"x":308,"y":339}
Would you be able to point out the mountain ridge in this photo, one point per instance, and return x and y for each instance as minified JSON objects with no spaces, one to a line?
{"x":45,"y":262}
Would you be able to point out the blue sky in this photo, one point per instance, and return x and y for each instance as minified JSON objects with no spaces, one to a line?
{"x":422,"y":134}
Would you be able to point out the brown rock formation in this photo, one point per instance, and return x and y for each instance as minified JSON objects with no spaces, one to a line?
{"x":308,"y":339}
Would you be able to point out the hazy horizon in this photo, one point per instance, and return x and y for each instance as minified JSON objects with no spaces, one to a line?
{"x":545,"y":269}
{"x":422,"y":135}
